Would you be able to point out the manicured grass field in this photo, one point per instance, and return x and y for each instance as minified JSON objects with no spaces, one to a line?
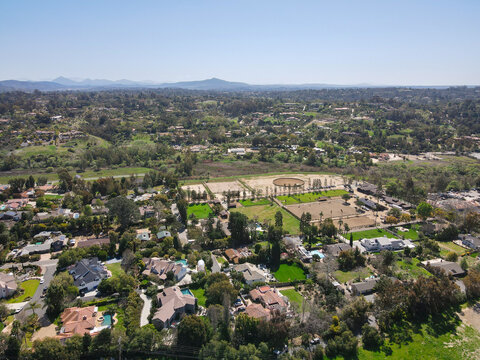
{"x":289,"y":273}
{"x":201,"y":211}
{"x":411,"y":269}
{"x":344,"y":276}
{"x":248,"y":202}
{"x":53,"y":197}
{"x":267,"y":212}
{"x":309,"y":197}
{"x":431,"y":344}
{"x":29,"y":287}
{"x":412,"y":232}
{"x":293,"y":296}
{"x":115,"y":268}
{"x":368,"y":234}
{"x":200,"y":295}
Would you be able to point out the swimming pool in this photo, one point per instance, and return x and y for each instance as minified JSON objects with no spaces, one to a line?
{"x":107,"y":320}
{"x":186,"y":292}
{"x":316,"y":252}
{"x":182,"y":261}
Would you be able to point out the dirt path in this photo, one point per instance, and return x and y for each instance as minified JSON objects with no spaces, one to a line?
{"x":470,"y":317}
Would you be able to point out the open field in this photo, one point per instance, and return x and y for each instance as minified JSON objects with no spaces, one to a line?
{"x":293,"y":296}
{"x":369,"y":234}
{"x":267,"y":213}
{"x":87,"y":175}
{"x":289,"y":273}
{"x":201,"y":211}
{"x":29,"y":287}
{"x":344,"y":276}
{"x":309,"y":197}
{"x":433,"y":342}
{"x":331,"y":208}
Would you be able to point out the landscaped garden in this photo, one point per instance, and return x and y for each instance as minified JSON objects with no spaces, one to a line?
{"x":200,"y":295}
{"x":201,"y":211}
{"x":29,"y":287}
{"x":410,"y":268}
{"x":289,"y":272}
{"x":293,"y":296}
{"x":411,"y":234}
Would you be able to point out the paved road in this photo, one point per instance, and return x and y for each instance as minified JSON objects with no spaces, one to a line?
{"x":48,"y":267}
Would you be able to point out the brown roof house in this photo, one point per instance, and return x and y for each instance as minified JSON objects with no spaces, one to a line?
{"x":80,"y":321}
{"x":173,"y":303}
{"x":8,"y":285}
{"x":257,"y":311}
{"x":269,"y":298}
{"x":160,"y":268}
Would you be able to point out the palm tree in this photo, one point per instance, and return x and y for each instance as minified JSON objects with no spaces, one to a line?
{"x":34,"y":305}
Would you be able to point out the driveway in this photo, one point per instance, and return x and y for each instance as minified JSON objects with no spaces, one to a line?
{"x":147,"y":305}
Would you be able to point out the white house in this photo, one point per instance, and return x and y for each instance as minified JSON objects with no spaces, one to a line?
{"x":385,"y":243}
{"x":470,"y":241}
{"x":251,"y":273}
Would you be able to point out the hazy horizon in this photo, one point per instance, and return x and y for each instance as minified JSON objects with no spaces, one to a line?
{"x":409,"y":43}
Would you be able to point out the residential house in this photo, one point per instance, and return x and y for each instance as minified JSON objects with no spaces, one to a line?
{"x":80,"y":321}
{"x":304,"y":255}
{"x":257,"y":311}
{"x":470,"y":241}
{"x":385,"y":243}
{"x":161,"y":267}
{"x":269,"y":298}
{"x":143,"y":234}
{"x":173,"y":304}
{"x":163,"y":234}
{"x":365,"y":287}
{"x":8,"y":285}
{"x":234,"y":255}
{"x":336,"y":249}
{"x":87,"y":274}
{"x":450,"y":268}
{"x":251,"y":273}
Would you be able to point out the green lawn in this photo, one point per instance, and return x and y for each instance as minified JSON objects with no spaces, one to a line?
{"x":249,"y":202}
{"x":53,"y":197}
{"x":267,"y":212}
{"x":200,"y":295}
{"x":201,"y":211}
{"x":221,"y":260}
{"x":293,"y":296}
{"x":412,"y":232}
{"x":430,"y":344}
{"x":115,"y":268}
{"x":309,"y":197}
{"x":368,"y":234}
{"x":450,"y":246}
{"x":289,"y":273}
{"x":344,"y":276}
{"x":29,"y":287}
{"x":411,"y":269}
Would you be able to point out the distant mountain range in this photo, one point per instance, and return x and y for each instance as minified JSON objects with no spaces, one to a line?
{"x":62,"y":84}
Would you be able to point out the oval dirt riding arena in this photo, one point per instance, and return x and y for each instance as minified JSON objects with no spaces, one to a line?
{"x":290,"y":182}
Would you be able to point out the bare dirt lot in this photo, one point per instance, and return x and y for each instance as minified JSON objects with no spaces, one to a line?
{"x":264,"y":182}
{"x":471,"y":317}
{"x":199,"y":188}
{"x":219,"y":187}
{"x":333,"y":208}
{"x":357,"y":221}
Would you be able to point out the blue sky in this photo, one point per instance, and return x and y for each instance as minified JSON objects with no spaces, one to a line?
{"x":260,"y":42}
